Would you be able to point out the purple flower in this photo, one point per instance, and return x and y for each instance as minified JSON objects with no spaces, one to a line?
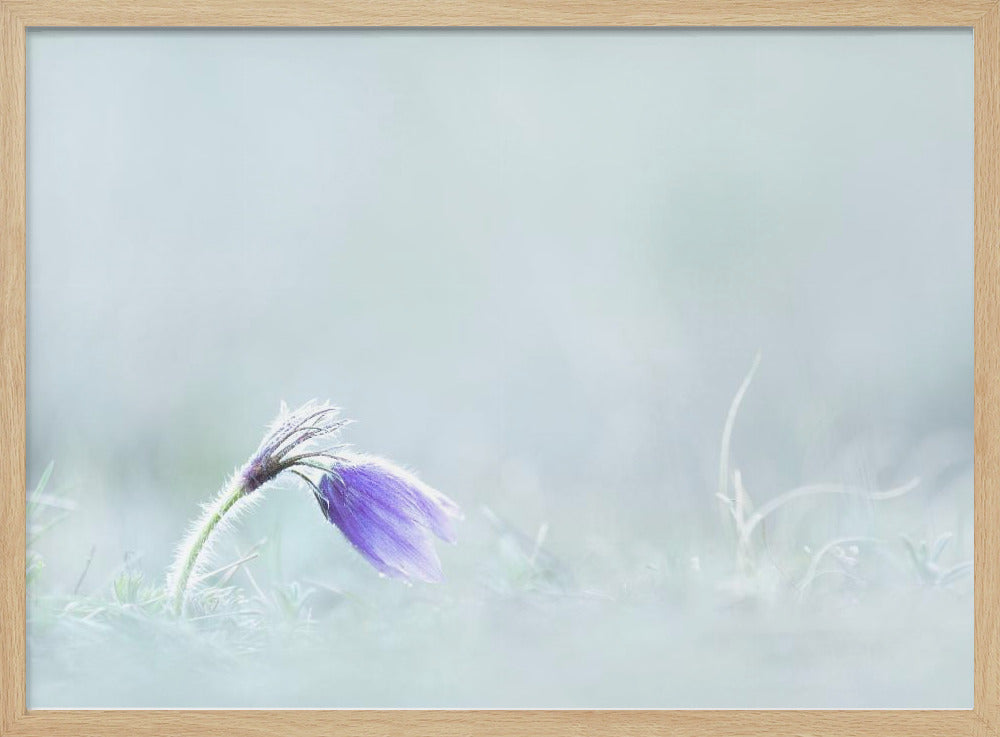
{"x":388,"y":515}
{"x":385,"y":512}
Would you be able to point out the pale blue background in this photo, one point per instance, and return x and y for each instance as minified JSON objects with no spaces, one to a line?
{"x":534,"y":265}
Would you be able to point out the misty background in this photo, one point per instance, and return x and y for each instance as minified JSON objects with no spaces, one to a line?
{"x":534,"y":266}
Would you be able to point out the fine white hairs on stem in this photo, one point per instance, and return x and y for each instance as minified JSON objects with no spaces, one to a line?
{"x":300,"y":442}
{"x":387,"y":513}
{"x":196,"y":548}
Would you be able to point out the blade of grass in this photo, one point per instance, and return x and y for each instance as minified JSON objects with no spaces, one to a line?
{"x":40,"y":486}
{"x":819,"y":489}
{"x":727,"y":430}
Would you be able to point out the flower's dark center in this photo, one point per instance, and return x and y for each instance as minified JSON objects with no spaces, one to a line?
{"x":258,"y":472}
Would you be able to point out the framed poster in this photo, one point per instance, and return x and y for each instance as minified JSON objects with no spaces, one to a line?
{"x":493,"y":375}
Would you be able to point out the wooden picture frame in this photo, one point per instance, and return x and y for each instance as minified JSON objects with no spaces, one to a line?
{"x":983,"y":16}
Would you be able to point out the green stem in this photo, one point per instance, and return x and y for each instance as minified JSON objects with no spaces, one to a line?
{"x":187,"y":556}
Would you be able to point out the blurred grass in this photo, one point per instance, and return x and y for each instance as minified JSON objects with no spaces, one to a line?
{"x":811,"y":600}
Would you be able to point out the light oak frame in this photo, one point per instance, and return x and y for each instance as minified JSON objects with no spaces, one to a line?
{"x":16,"y":16}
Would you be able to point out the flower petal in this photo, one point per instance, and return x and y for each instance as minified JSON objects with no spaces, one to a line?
{"x":390,"y":541}
{"x":398,"y":492}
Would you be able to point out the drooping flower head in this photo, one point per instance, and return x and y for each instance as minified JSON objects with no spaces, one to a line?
{"x":389,"y":515}
{"x":385,"y":512}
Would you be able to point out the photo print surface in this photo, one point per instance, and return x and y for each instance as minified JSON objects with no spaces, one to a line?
{"x":496,"y":368}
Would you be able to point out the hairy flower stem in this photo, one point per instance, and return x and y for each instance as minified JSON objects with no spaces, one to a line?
{"x":187,"y":556}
